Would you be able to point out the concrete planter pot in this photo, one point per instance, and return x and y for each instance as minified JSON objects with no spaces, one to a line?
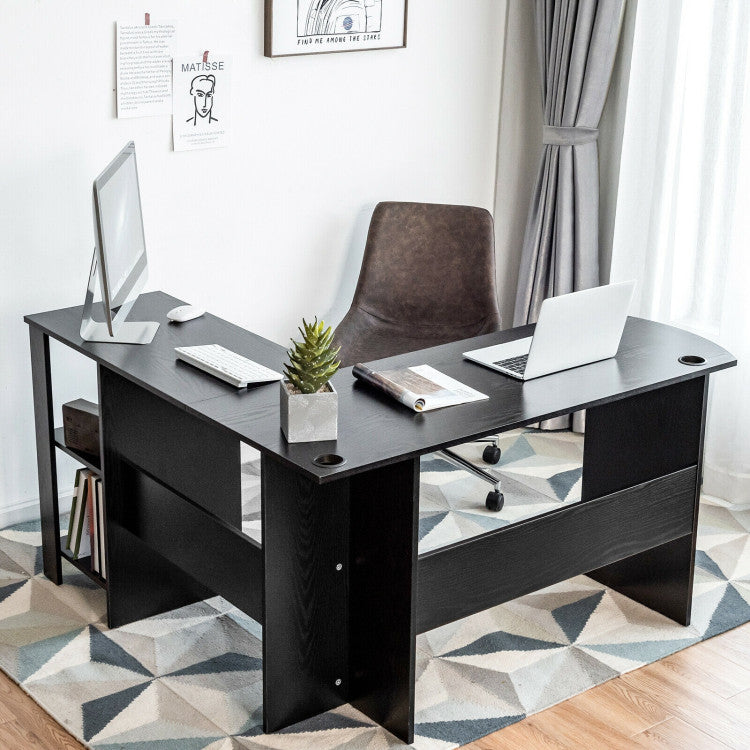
{"x":308,"y":417}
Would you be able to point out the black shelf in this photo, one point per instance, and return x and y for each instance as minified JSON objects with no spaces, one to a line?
{"x":88,"y":460}
{"x":84,"y":565}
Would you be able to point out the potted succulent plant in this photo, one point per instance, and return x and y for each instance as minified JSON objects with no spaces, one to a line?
{"x":309,"y":403}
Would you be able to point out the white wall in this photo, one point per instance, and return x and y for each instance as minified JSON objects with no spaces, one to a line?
{"x":262,"y":232}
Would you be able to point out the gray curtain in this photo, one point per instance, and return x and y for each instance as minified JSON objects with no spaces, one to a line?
{"x":576,"y":44}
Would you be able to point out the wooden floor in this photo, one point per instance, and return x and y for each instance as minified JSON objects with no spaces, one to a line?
{"x":24,"y":725}
{"x":698,"y":698}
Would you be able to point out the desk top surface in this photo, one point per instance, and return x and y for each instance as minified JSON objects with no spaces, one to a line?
{"x":373,"y":429}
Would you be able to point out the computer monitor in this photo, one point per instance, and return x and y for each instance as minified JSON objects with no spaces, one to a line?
{"x":119,"y":255}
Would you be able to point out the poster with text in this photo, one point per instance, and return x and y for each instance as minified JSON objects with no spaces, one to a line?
{"x":144,"y":76}
{"x":303,"y":27}
{"x":201,"y":101}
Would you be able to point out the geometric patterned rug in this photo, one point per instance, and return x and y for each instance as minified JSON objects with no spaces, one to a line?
{"x":191,"y":679}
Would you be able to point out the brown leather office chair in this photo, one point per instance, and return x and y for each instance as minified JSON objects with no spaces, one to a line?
{"x":427,"y":278}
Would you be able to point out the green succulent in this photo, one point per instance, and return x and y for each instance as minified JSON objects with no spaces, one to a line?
{"x":312,"y":361}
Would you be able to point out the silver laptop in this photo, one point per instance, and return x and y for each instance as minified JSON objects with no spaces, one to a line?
{"x":572,"y":330}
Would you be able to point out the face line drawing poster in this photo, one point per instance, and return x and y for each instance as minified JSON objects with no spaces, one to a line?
{"x":201,"y":101}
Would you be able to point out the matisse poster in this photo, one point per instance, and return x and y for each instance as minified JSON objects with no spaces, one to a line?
{"x":201,"y":101}
{"x":303,"y":27}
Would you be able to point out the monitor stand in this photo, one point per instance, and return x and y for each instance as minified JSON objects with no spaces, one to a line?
{"x":129,"y":332}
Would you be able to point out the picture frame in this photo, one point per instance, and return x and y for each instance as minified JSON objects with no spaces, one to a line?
{"x":310,"y":27}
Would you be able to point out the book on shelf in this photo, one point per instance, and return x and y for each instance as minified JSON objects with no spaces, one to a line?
{"x":82,"y":546}
{"x":421,"y":388}
{"x":71,"y":524}
{"x":93,"y":530}
{"x":102,"y":555}
{"x":97,"y":524}
{"x":86,"y":525}
{"x":78,"y":515}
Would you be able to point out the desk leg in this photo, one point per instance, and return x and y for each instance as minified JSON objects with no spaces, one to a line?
{"x":634,"y":440}
{"x":45,"y":453}
{"x":333,"y":635}
{"x":383,"y":598}
{"x":305,"y":539}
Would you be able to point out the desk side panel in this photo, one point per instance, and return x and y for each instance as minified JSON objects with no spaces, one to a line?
{"x":141,"y":581}
{"x":214,"y":554}
{"x":196,"y":459}
{"x":484,"y":571}
{"x":640,"y":438}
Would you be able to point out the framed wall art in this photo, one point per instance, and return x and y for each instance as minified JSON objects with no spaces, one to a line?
{"x":308,"y":27}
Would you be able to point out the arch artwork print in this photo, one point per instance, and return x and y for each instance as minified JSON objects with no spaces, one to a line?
{"x":318,"y":17}
{"x":307,"y":27}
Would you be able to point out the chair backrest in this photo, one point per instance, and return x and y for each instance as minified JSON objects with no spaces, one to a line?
{"x":427,"y":278}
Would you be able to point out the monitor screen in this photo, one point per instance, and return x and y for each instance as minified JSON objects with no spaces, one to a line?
{"x":119,"y":225}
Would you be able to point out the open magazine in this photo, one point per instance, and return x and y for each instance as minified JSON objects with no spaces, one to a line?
{"x":420,"y":388}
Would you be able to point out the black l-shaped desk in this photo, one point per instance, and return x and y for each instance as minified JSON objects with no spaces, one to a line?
{"x":337,"y":582}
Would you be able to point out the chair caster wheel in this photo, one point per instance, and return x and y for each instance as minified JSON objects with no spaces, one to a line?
{"x":494,"y":501}
{"x":491,"y":454}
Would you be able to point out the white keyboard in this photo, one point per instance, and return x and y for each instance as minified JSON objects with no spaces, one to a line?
{"x":226,"y":365}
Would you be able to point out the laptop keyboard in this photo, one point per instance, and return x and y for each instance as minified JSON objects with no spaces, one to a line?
{"x":515,"y":364}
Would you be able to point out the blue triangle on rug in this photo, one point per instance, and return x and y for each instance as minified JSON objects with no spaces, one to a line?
{"x":465,"y":730}
{"x":105,"y":651}
{"x":642,"y":651}
{"x":428,"y":523}
{"x":572,"y":618}
{"x":502,"y":641}
{"x":516,"y":452}
{"x":11,"y":588}
{"x":703,"y":561}
{"x":99,"y":712}
{"x":563,"y":482}
{"x":731,"y":611}
{"x":229,"y":662}
{"x":34,"y":656}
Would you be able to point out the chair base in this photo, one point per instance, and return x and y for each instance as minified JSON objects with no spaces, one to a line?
{"x":495,"y":499}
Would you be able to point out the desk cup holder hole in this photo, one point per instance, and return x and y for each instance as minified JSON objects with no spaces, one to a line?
{"x":691,"y":359}
{"x":329,"y":460}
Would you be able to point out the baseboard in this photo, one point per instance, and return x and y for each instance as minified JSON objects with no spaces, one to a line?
{"x":28,"y":510}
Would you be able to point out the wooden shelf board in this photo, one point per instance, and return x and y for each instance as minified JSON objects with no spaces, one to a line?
{"x":89,"y":461}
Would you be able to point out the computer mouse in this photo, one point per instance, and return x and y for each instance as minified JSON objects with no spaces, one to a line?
{"x":184,"y":313}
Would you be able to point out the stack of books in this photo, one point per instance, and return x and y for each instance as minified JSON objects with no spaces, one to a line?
{"x":86,"y":526}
